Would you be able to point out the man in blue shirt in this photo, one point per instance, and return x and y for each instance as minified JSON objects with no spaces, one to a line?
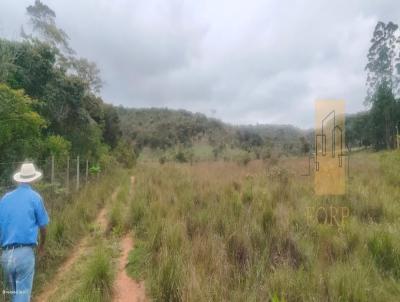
{"x":22,"y":214}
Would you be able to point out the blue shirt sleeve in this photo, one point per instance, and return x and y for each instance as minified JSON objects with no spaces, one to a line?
{"x":42,"y":218}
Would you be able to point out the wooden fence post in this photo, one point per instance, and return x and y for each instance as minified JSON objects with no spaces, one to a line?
{"x":87,"y":170}
{"x":52,"y":170}
{"x":67,"y":185}
{"x":77,"y":172}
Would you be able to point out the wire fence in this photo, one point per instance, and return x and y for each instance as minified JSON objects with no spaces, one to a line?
{"x":65,"y":174}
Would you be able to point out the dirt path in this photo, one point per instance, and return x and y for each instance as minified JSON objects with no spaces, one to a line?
{"x":51,"y":287}
{"x":125,"y":288}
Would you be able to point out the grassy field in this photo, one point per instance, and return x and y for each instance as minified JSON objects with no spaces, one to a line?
{"x":232,"y":231}
{"x":222,"y":231}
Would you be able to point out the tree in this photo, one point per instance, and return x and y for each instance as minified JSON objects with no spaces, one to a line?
{"x":8,"y":54}
{"x":358,"y":129}
{"x":89,"y":73}
{"x":305,"y":146}
{"x":125,"y":154}
{"x":249,"y":139}
{"x":381,"y":66}
{"x":112,"y":130}
{"x":20,"y":127}
{"x":42,"y":19}
{"x":382,"y":84}
{"x":52,"y":94}
{"x":58,"y":145}
{"x":86,"y":139}
{"x":31,"y":68}
{"x":384,"y":116}
{"x":62,"y":102}
{"x":94,"y":106}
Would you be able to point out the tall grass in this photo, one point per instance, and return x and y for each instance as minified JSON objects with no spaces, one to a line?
{"x":92,"y":280}
{"x":71,"y":219}
{"x":98,"y":277}
{"x":227,"y":232}
{"x":92,"y":276}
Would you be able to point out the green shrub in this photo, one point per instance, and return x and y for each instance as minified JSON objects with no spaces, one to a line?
{"x":247,"y":195}
{"x":136,"y":217}
{"x":116,"y":220}
{"x":137,"y":260}
{"x":385,"y":253}
{"x":267,"y":220}
{"x":57,"y":231}
{"x":125,"y":154}
{"x":180,"y":157}
{"x":58,"y":145}
{"x":98,"y":278}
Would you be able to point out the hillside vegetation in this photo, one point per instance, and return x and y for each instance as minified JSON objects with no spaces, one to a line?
{"x":166,"y":129}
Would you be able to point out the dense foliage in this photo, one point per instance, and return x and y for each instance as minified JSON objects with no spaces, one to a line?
{"x":378,"y":127}
{"x":48,"y":101}
{"x":165,"y":128}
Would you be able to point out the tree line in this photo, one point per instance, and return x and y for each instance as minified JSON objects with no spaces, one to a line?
{"x":162,"y":129}
{"x":378,"y":126}
{"x":49,"y":98}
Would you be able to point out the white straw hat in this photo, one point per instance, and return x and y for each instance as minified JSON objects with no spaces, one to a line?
{"x":28,"y":173}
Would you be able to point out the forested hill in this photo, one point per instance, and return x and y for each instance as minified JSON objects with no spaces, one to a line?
{"x":164,"y":128}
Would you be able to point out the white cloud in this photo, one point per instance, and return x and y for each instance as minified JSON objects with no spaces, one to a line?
{"x":253,"y":61}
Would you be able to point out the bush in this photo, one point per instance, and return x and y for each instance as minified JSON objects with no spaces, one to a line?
{"x":57,"y":231}
{"x":244,"y":159}
{"x":137,"y":212}
{"x":180,"y":157}
{"x":125,"y":154}
{"x":162,"y":160}
{"x":385,"y":254}
{"x":137,"y":260}
{"x":98,"y":278}
{"x":116,"y":219}
{"x":58,"y":146}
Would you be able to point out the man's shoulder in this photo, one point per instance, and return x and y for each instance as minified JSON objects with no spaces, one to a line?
{"x":35,"y":194}
{"x":7,"y":195}
{"x":32,"y":195}
{"x":25,"y":192}
{"x":5,"y":198}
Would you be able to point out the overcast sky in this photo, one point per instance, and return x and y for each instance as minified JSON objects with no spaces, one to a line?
{"x":247,"y":61}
